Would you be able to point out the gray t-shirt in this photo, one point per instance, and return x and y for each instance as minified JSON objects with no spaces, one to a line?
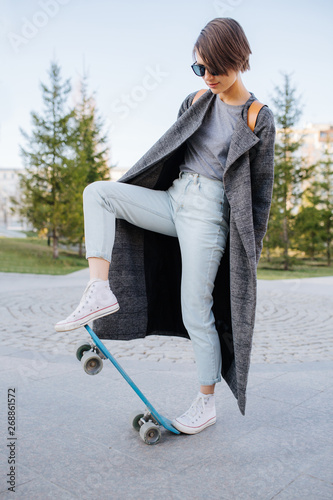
{"x":207,"y":148}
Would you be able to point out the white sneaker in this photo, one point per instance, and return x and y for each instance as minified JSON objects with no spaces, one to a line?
{"x":97,"y":301}
{"x":200,"y":415}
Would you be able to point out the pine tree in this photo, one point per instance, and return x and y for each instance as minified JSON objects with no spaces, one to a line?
{"x":326,"y":194}
{"x":307,"y":230}
{"x":46,"y":158}
{"x":314,"y":221}
{"x":289,"y":169}
{"x":90,"y":162}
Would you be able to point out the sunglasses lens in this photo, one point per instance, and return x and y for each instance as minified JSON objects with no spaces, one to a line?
{"x":198,"y":69}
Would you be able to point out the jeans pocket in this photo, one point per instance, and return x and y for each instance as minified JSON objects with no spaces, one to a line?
{"x":212,"y":192}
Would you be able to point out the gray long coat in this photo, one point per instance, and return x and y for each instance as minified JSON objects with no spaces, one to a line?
{"x":146,"y":266}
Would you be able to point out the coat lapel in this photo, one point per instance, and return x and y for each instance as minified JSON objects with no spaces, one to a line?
{"x":242,"y":138}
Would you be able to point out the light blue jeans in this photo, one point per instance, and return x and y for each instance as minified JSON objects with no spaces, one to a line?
{"x":195,"y":210}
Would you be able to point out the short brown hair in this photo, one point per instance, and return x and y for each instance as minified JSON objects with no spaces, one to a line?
{"x":223,"y":45}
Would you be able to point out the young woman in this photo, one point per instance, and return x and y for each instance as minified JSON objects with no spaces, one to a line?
{"x":191,"y":217}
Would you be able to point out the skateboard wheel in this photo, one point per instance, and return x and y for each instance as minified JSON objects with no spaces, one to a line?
{"x":134,"y":419}
{"x":150,"y":433}
{"x":82,"y":347}
{"x":92,"y":364}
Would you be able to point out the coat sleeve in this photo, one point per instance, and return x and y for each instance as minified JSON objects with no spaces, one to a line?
{"x":262,"y":175}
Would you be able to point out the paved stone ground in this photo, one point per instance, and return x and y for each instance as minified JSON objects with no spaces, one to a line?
{"x":294,"y":321}
{"x":74,"y":440}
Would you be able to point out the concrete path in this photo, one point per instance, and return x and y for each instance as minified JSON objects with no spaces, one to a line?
{"x":72,"y":430}
{"x":11,"y":233}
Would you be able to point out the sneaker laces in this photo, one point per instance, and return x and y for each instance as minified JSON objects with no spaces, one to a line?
{"x":197,"y":406}
{"x":87,"y":288}
{"x":84,"y":297}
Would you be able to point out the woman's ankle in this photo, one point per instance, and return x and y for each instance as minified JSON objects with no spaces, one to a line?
{"x":98,"y":268}
{"x":207,"y":389}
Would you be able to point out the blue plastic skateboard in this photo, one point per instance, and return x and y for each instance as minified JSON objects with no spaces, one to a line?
{"x":147,"y":422}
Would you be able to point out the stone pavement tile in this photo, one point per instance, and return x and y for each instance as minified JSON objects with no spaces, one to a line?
{"x":260,"y":373}
{"x":315,"y":370}
{"x":116,"y":475}
{"x":43,"y":406}
{"x":307,"y":488}
{"x":235,"y":479}
{"x":259,"y":411}
{"x":75,"y":463}
{"x":261,"y":461}
{"x":260,"y":464}
{"x":22,"y":475}
{"x":308,"y":424}
{"x":16,"y":377}
{"x":39,"y":489}
{"x":23,"y":359}
{"x":203,"y":480}
{"x":285,"y":388}
{"x":148,"y":483}
{"x":83,"y":422}
{"x":315,"y":375}
{"x":8,"y":350}
{"x":30,"y":365}
{"x":269,"y":371}
{"x":321,"y":468}
{"x":51,"y":452}
{"x":269,"y":443}
{"x":256,"y":379}
{"x":322,"y":401}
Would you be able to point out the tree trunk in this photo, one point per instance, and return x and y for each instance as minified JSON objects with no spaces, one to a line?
{"x":329,"y":252}
{"x":268,"y":253}
{"x":312,"y":247}
{"x":285,"y":240}
{"x":80,"y":249}
{"x":329,"y":242}
{"x":55,"y":245}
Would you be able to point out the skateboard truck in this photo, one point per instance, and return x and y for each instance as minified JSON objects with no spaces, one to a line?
{"x":147,"y":426}
{"x":147,"y":423}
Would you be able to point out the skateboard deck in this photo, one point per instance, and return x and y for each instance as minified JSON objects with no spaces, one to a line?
{"x":157,"y":418}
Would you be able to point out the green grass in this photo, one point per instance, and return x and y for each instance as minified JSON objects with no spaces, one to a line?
{"x":300,"y":268}
{"x":32,"y":255}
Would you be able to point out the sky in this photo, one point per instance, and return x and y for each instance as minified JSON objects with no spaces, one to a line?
{"x":137,"y":56}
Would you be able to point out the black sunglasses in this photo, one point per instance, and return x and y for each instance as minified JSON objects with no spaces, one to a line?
{"x":199,"y":70}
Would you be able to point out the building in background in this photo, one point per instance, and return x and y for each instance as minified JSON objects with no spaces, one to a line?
{"x":9,"y":187}
{"x":315,"y":137}
{"x":117,"y":172}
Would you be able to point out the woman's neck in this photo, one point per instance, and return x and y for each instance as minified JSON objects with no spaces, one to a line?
{"x":236,"y":94}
